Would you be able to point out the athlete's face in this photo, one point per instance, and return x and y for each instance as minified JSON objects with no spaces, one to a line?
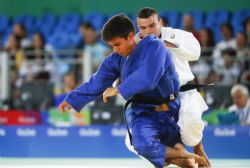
{"x":123,"y":46}
{"x":150,"y":25}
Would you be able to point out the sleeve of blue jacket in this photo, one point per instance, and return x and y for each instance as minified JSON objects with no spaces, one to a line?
{"x":152,"y":67}
{"x":107,"y":73}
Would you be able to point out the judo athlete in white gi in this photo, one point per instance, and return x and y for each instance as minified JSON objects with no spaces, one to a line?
{"x":145,"y":69}
{"x":184,"y":47}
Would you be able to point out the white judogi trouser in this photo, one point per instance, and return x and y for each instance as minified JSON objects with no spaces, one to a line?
{"x":190,"y":122}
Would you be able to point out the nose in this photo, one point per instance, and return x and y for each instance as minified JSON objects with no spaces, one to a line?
{"x":148,"y":31}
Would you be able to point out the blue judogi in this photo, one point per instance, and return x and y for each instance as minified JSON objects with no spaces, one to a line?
{"x":149,"y":72}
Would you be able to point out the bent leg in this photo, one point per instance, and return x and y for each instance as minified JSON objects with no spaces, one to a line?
{"x":146,"y":134}
{"x":199,"y":150}
{"x":179,"y":152}
{"x":147,"y":145}
{"x":190,"y":121}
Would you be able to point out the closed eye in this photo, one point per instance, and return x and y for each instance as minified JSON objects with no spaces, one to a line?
{"x":142,"y":27}
{"x":152,"y":25}
{"x":116,"y":44}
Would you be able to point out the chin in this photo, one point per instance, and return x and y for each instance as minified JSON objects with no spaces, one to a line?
{"x":124,"y":55}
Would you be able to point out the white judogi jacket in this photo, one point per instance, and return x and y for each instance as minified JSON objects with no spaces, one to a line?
{"x":188,"y":49}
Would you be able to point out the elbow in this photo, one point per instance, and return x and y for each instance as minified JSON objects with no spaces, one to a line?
{"x":196,"y":54}
{"x":196,"y":50}
{"x":195,"y":57}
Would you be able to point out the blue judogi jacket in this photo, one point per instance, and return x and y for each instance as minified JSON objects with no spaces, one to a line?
{"x":148,"y":71}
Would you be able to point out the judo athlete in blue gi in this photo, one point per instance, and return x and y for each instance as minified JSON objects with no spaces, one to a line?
{"x":145,"y":69}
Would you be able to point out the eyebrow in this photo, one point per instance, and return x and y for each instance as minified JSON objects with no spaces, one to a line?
{"x":115,"y":44}
{"x":142,"y":26}
{"x":152,"y":24}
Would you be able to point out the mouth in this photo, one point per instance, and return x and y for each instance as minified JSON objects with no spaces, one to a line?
{"x":124,"y":55}
{"x":120,"y":53}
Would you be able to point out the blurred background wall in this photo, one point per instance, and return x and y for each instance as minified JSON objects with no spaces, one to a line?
{"x":36,"y":7}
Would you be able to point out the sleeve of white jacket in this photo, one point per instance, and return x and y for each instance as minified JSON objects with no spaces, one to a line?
{"x":188,"y":47}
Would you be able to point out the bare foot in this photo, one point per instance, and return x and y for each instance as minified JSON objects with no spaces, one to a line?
{"x":183,"y":162}
{"x":198,"y":159}
{"x":199,"y":150}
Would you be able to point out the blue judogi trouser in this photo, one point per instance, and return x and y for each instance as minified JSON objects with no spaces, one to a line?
{"x":151,"y":133}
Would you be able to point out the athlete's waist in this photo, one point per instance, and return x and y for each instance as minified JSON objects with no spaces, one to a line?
{"x":193,"y":85}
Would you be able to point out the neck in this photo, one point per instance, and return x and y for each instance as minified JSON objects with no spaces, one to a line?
{"x":133,"y":44}
{"x":159,"y":35}
{"x":136,"y":41}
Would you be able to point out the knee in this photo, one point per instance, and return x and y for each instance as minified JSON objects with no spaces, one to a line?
{"x":192,"y":132}
{"x":152,"y":150}
{"x":146,"y":150}
{"x":195,"y":124}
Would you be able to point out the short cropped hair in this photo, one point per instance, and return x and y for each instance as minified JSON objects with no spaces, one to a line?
{"x":87,"y":25}
{"x":239,"y":87}
{"x":227,"y":25}
{"x":117,"y":26}
{"x":146,"y":13}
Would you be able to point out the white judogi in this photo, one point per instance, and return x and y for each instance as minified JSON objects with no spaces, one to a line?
{"x":192,"y":103}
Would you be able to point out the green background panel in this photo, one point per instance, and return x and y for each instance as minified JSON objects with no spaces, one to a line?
{"x":38,"y":7}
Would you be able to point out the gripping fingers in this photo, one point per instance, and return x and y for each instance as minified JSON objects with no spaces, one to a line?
{"x":63,"y":107}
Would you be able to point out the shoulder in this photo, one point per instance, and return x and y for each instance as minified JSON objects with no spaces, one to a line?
{"x":113,"y":57}
{"x":221,"y":45}
{"x":232,"y":108}
{"x":149,"y":41}
{"x":148,"y":38}
{"x":156,"y":45}
{"x":248,"y":104}
{"x":169,"y":32}
{"x":153,"y":40}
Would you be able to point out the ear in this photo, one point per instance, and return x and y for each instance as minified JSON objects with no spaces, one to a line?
{"x":131,"y":36}
{"x":160,"y":22}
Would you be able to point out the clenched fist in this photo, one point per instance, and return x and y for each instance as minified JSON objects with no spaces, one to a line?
{"x":64,"y":106}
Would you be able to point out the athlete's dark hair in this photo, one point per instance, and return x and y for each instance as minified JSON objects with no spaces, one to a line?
{"x":87,"y":25}
{"x":146,"y":12}
{"x":117,"y":26}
